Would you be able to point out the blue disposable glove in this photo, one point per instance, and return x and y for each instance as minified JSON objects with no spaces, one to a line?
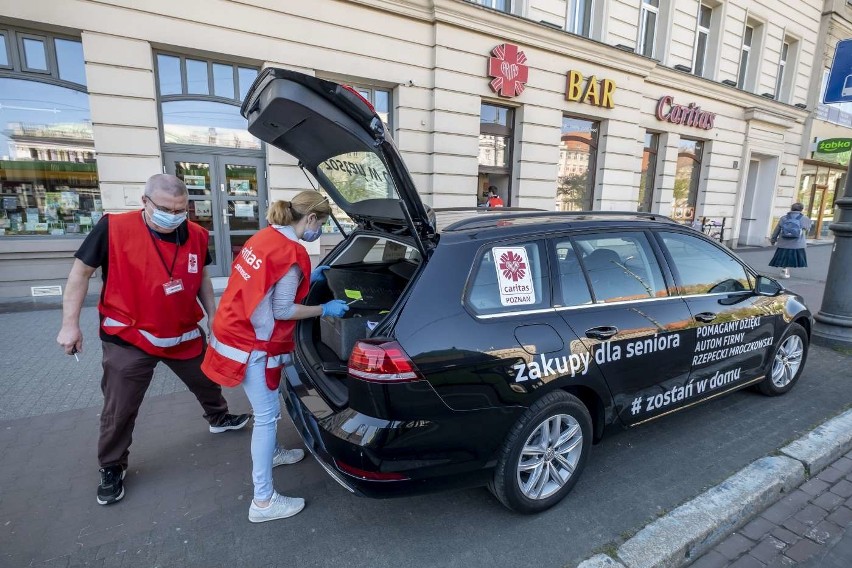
{"x":317,"y":273}
{"x":334,"y":309}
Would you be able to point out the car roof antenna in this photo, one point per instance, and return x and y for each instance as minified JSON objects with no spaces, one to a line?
{"x":333,"y":218}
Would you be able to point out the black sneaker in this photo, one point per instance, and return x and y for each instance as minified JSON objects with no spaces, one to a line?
{"x":230,"y":422}
{"x":111,"y":488}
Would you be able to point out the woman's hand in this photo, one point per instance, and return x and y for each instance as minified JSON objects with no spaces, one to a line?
{"x":334,"y":309}
{"x":317,"y":274}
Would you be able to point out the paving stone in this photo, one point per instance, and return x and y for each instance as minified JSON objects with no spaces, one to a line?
{"x":844,"y":464}
{"x":796,"y":526}
{"x":842,"y":488}
{"x":757,"y":529}
{"x":811,"y":515}
{"x":782,"y":562}
{"x":841,"y":516}
{"x":815,"y":486}
{"x":802,"y":550}
{"x":747,"y":562}
{"x":780,"y":511}
{"x":734,"y":546}
{"x":712,"y":559}
{"x":767,"y":549}
{"x":824,"y":532}
{"x":831,"y":475}
{"x":786,"y":536}
{"x":828,"y":501}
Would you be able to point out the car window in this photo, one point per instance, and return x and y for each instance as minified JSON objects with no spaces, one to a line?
{"x":703,"y":267}
{"x":370,"y":250}
{"x":509,"y":278}
{"x":571,"y":284}
{"x":621,"y":267}
{"x":359,"y":176}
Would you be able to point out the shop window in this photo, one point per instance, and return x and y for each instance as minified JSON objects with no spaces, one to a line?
{"x":206,"y":123}
{"x":496,"y":125}
{"x":577,"y":157}
{"x":4,"y":51}
{"x":38,"y":56}
{"x":649,"y":171}
{"x":687,"y":177}
{"x":48,"y":176}
{"x":187,"y":77}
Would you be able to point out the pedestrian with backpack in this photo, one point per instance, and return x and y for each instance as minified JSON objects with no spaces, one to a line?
{"x":789,"y":238}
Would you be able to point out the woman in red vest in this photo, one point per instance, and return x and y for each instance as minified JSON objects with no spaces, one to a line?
{"x":252,"y":333}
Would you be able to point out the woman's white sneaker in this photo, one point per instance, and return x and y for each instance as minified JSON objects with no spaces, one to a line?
{"x":280,"y":507}
{"x":287,"y":457}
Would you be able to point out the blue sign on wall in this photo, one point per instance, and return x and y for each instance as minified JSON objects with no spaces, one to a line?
{"x":839,"y":88}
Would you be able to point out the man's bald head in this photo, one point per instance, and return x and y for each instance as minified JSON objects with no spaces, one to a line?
{"x":167,"y":184}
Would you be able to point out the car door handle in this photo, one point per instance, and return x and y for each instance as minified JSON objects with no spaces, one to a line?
{"x":705,"y":317}
{"x":602,"y":332}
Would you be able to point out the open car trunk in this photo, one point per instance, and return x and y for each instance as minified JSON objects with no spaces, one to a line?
{"x":372,"y":273}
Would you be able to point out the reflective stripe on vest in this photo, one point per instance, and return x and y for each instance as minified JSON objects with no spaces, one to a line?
{"x":153,"y":339}
{"x":273,"y":361}
{"x":229,"y":352}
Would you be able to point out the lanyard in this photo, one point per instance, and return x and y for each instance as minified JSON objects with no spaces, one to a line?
{"x":171,"y":270}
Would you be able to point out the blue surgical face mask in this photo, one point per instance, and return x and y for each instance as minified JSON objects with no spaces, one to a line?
{"x":310,"y":235}
{"x":168,"y":221}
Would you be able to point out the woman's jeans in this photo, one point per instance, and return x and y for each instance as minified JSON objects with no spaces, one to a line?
{"x":266,"y":405}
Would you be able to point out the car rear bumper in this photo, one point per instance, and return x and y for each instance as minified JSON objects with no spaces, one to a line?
{"x":416,"y":453}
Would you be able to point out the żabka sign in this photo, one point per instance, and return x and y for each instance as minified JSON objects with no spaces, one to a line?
{"x":691,"y":115}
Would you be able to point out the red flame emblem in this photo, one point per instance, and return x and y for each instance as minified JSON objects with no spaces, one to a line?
{"x":513,"y":266}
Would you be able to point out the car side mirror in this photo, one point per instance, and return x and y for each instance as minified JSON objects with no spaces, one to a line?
{"x":766,"y":286}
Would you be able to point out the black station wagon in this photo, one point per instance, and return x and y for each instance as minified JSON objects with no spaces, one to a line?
{"x":494,"y":347}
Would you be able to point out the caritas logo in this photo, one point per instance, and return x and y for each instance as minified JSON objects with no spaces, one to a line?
{"x":508,"y":69}
{"x":513,"y":266}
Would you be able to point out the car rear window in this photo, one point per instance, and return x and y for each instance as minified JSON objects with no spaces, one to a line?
{"x":359,"y":176}
{"x":509,"y":278}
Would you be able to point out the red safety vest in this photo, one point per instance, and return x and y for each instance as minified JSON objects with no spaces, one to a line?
{"x":134,"y":305}
{"x":264,"y":260}
{"x":495,"y":201}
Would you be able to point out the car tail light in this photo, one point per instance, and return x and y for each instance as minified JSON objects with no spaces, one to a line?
{"x":381,"y":362}
{"x":361,"y":97}
{"x":370,"y":475}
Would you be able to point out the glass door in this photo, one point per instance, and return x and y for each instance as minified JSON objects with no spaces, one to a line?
{"x":226,"y":196}
{"x":242,"y":203}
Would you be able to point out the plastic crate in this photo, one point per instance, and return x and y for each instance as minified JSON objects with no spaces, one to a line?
{"x":340,"y":334}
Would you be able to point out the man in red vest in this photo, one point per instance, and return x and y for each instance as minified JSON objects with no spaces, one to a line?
{"x":494,"y":200}
{"x":154,"y":277}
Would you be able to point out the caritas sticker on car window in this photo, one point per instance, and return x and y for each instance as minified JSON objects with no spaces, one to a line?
{"x":513,"y":276}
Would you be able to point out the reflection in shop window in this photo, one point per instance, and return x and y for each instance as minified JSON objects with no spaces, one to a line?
{"x":576,"y":176}
{"x":495,"y":152}
{"x":687,"y":176}
{"x":206,"y":123}
{"x":48,"y":176}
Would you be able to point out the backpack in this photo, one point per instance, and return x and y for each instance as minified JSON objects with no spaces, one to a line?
{"x":791,"y":227}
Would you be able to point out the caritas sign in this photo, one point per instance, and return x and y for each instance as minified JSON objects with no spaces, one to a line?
{"x":690,"y":115}
{"x":508,"y":69}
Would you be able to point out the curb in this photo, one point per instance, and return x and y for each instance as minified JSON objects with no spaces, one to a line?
{"x":693,"y":528}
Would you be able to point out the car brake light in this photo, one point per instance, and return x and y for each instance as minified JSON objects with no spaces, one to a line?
{"x":381,"y":362}
{"x":371,"y":475}
{"x":360,"y":96}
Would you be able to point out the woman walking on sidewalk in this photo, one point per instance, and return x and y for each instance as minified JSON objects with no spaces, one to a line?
{"x":789,"y":237}
{"x":252,"y":334}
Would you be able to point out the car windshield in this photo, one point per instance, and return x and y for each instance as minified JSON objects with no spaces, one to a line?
{"x":358,"y":176}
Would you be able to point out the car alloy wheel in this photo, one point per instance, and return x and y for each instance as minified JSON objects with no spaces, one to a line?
{"x":550,"y":456}
{"x":787,"y":361}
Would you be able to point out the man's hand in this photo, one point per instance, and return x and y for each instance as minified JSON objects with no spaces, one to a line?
{"x":70,"y":338}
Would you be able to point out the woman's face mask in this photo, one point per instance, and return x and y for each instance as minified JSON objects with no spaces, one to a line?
{"x":313,"y":230}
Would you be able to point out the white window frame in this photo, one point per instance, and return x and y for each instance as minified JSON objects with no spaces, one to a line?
{"x":782,"y":67}
{"x":645,"y":9}
{"x":575,"y":21}
{"x":699,"y":30}
{"x":510,"y":5}
{"x":742,"y":70}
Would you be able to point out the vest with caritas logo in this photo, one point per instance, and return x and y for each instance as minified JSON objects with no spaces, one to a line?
{"x":144,"y":305}
{"x":264,"y":260}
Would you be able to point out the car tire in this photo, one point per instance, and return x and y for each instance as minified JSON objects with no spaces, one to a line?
{"x":788,"y":360}
{"x":557,"y":414}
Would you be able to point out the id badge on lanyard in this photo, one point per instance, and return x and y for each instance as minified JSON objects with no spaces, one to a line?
{"x":173,"y":286}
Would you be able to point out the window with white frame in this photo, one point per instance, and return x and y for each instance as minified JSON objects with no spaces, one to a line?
{"x":702,"y":40}
{"x":648,"y":23}
{"x":745,"y":54}
{"x":782,"y":65}
{"x":579,"y":20}
{"x":502,"y":5}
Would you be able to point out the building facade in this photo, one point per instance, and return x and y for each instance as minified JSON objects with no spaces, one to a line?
{"x":828,"y":141}
{"x":694,"y":109}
